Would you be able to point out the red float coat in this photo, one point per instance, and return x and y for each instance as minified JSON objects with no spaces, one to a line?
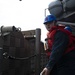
{"x":50,"y":39}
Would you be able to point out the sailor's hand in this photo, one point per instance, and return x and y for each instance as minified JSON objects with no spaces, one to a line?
{"x":45,"y":71}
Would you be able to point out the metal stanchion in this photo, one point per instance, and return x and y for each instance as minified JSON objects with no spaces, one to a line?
{"x":38,"y":53}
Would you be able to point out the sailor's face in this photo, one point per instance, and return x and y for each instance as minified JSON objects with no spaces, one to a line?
{"x":49,"y":25}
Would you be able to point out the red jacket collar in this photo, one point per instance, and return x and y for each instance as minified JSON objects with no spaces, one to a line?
{"x":57,"y":27}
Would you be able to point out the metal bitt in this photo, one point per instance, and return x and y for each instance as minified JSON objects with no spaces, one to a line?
{"x":38,"y":53}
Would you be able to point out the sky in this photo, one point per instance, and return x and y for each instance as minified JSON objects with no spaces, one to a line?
{"x":26,"y":14}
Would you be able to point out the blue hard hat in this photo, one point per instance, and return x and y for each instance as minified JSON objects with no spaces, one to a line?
{"x":68,"y":28}
{"x":49,"y":18}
